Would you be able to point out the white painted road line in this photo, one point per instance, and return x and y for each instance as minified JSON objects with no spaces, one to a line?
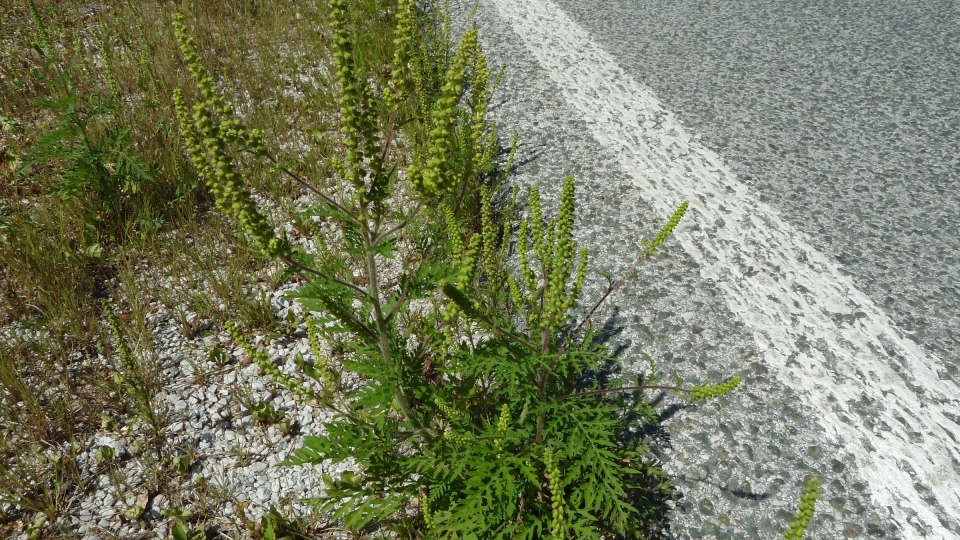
{"x":779,"y":285}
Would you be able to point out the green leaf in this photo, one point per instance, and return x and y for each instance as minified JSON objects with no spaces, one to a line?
{"x":93,"y":251}
{"x":179,"y":530}
{"x":329,"y":481}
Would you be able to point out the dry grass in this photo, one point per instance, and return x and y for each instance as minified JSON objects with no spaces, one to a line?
{"x":61,"y":257}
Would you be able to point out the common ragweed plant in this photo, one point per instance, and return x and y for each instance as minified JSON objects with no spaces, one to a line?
{"x":479,"y":408}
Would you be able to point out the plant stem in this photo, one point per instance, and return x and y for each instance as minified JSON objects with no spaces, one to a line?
{"x":624,"y":389}
{"x":326,"y":198}
{"x":603,"y":298}
{"x":383,"y":339}
{"x":402,"y":224}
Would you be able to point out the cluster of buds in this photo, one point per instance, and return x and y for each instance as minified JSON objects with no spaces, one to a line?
{"x":808,"y":502}
{"x":528,"y":277}
{"x":454,"y":233}
{"x":467,"y":257}
{"x":459,"y":440}
{"x":437,"y":176}
{"x":714,"y":391}
{"x":516,"y":294}
{"x":123,"y":349}
{"x":558,"y":265}
{"x":665,"y":232}
{"x":483,"y":141}
{"x":40,"y":39}
{"x":459,"y":301}
{"x":326,"y":374}
{"x":536,"y":224}
{"x":557,"y":524}
{"x":556,"y":251}
{"x":447,"y":410}
{"x":487,"y":228}
{"x":357,"y":111}
{"x":470,"y":261}
{"x":503,"y":424}
{"x":425,"y":508}
{"x":206,"y":137}
{"x":107,"y":52}
{"x":260,"y":357}
{"x":400,"y":84}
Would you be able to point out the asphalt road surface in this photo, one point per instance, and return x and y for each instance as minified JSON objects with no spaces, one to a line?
{"x":819,"y":146}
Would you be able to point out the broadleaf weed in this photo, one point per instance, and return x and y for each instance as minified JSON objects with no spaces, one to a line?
{"x":478,"y":397}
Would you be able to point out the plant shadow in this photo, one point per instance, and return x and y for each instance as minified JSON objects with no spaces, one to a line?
{"x":648,"y":429}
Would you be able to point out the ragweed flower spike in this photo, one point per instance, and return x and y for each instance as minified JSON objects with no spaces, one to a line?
{"x":808,"y":502}
{"x":562,"y":254}
{"x":503,"y":424}
{"x":356,"y":102}
{"x":458,"y":440}
{"x":427,"y":515}
{"x":401,"y":83}
{"x":488,"y":229}
{"x":529,"y":277}
{"x":536,"y":222}
{"x":714,"y":391}
{"x":107,"y":55}
{"x":263,"y":361}
{"x":557,"y":524}
{"x":436,"y":176}
{"x":480,"y":137}
{"x":206,"y":133}
{"x":324,"y":369}
{"x":40,"y":39}
{"x":447,"y":410}
{"x":126,"y":355}
{"x":665,"y":232}
{"x":571,"y":302}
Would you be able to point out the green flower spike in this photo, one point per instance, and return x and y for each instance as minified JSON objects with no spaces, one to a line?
{"x":714,"y":391}
{"x":436,"y":176}
{"x":503,"y":424}
{"x":488,"y":228}
{"x":40,"y":40}
{"x":557,"y":525}
{"x":529,"y":277}
{"x":262,"y":360}
{"x":447,"y":410}
{"x":458,"y":440}
{"x":401,"y":84}
{"x":808,"y":502}
{"x":562,"y":255}
{"x":328,"y":377}
{"x":123,"y":349}
{"x":356,"y":102}
{"x":665,"y":232}
{"x":206,"y":137}
{"x":427,"y":514}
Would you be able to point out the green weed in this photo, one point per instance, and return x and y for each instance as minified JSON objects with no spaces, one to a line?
{"x":494,"y":400}
{"x":479,"y":405}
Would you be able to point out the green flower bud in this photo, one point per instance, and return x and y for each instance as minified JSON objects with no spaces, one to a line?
{"x":715,"y":391}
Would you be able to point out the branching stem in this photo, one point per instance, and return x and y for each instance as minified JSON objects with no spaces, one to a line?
{"x":610,"y":290}
{"x":301,"y":268}
{"x":326,"y":198}
{"x":624,"y":389}
{"x":383,"y":339}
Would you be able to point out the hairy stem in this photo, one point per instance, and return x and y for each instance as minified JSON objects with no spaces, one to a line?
{"x":383,"y":339}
